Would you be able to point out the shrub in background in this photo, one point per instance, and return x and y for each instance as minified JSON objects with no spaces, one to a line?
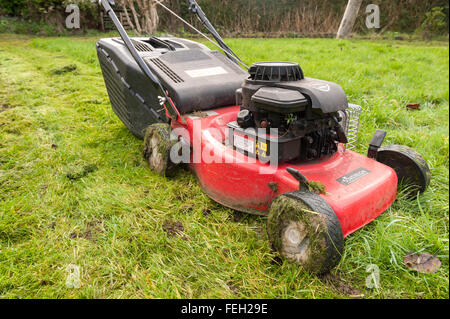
{"x":434,"y":23}
{"x":259,"y":17}
{"x":50,"y":12}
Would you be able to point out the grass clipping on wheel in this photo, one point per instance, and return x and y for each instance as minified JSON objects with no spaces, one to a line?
{"x":158,"y":155}
{"x":287,"y":212}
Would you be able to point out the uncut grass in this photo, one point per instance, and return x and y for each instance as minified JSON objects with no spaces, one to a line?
{"x":110,"y":221}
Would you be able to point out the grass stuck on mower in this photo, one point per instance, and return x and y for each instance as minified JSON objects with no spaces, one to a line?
{"x":266,"y":141}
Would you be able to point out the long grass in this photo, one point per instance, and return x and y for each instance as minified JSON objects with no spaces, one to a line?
{"x":74,"y":188}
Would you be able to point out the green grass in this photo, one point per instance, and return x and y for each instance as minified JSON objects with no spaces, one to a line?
{"x":74,"y":188}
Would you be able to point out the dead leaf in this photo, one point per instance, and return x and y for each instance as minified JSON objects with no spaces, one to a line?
{"x":425,"y":263}
{"x":413,"y":106}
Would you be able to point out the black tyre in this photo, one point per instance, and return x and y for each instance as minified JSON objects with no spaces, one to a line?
{"x":304,"y":229}
{"x":411,"y":168}
{"x":157,"y":145}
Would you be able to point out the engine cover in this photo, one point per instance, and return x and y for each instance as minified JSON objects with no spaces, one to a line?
{"x":327,"y":96}
{"x":301,"y":115}
{"x":266,"y":76}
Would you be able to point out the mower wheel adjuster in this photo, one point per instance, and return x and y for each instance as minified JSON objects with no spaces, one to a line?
{"x":375,"y":143}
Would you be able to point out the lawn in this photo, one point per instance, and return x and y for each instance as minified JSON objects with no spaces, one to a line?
{"x":76,"y":194}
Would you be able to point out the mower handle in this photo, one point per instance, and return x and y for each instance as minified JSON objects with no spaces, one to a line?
{"x":164,"y":98}
{"x":196,"y":9}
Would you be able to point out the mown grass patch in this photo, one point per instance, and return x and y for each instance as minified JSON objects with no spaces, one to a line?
{"x":135,"y":234}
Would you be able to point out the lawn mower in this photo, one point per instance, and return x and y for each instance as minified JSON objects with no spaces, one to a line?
{"x":266,"y":140}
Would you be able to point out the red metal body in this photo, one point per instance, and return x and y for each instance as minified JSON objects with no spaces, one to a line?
{"x":241,"y":186}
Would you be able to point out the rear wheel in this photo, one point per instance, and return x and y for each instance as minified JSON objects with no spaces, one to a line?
{"x":411,"y":168}
{"x":304,"y":229}
{"x":157,"y":145}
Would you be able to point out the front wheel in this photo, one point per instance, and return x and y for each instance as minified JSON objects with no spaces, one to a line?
{"x":304,"y":229}
{"x":157,"y":145}
{"x":411,"y":168}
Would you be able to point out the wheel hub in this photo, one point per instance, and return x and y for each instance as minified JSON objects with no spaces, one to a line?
{"x":295,"y":241}
{"x":293,"y":236}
